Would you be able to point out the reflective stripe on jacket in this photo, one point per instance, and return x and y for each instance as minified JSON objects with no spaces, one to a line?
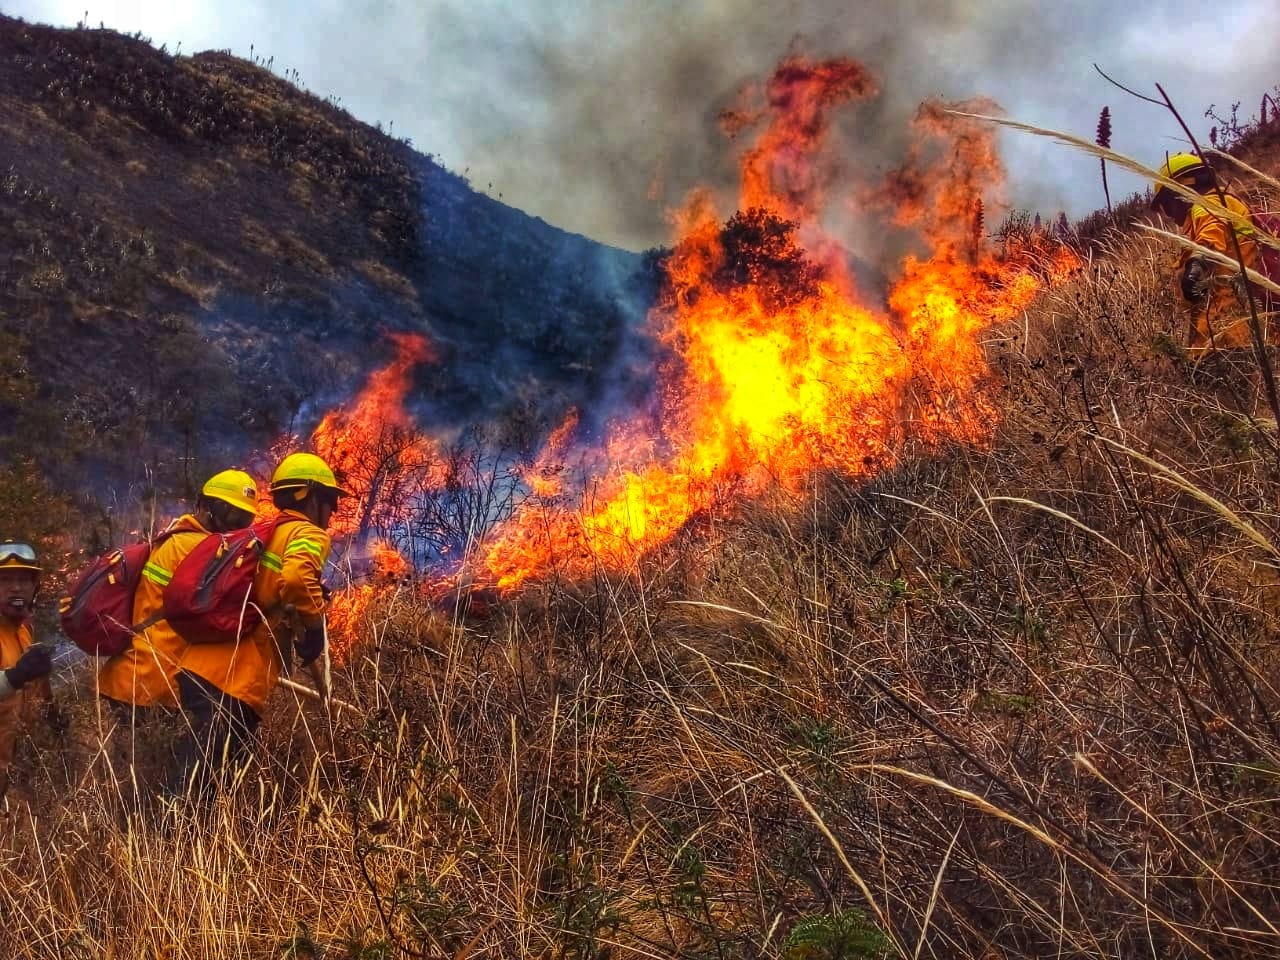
{"x":145,"y":674}
{"x":289,"y":572}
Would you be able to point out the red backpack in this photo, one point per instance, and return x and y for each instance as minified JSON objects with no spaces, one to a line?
{"x":1268,"y":256}
{"x":209,"y":599}
{"x":97,"y":613}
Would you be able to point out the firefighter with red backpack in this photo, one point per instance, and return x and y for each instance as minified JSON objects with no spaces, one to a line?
{"x":224,"y":684}
{"x":143,"y":675}
{"x":1215,"y":292}
{"x":24,"y":664}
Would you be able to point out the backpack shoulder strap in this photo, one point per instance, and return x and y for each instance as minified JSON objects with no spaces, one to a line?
{"x":149,"y":622}
{"x":269,"y":527}
{"x":165,"y":534}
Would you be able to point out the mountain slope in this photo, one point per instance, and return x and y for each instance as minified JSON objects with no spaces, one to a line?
{"x":200,"y":255}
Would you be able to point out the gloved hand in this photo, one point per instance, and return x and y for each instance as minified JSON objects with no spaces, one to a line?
{"x":325,"y":592}
{"x":311,"y":645}
{"x":34,"y":663}
{"x":1195,"y":279}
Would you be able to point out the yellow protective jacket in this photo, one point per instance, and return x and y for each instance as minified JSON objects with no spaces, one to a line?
{"x":145,"y":673}
{"x":16,"y":710}
{"x":1224,"y":311}
{"x":289,"y":573}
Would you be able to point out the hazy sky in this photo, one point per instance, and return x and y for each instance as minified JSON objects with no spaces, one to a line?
{"x":598,"y":116}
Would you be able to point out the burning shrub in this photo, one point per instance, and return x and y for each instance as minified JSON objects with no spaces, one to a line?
{"x":760,"y":251}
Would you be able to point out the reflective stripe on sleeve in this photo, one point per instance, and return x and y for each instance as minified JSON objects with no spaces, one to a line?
{"x":157,"y":574}
{"x":307,"y":546}
{"x":272,"y":561}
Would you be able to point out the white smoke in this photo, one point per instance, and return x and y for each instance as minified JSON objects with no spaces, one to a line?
{"x":574,"y":110}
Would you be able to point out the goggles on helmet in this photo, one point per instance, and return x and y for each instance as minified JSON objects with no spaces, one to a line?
{"x":16,"y":551}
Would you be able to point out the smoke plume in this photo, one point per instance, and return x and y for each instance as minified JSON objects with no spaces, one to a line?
{"x":600,"y":116}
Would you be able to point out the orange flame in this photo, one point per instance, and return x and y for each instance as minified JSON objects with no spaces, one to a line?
{"x":775,"y":366}
{"x":373,"y":444}
{"x":546,"y":476}
{"x":381,"y":458}
{"x":387,"y":561}
{"x":778,"y":171}
{"x":777,"y":369}
{"x":348,"y":615}
{"x":347,"y":618}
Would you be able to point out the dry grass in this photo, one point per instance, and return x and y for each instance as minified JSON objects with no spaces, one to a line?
{"x":1017,"y":702}
{"x":1010,"y":702}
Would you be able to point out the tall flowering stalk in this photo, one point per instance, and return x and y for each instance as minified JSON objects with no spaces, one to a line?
{"x":1104,"y":140}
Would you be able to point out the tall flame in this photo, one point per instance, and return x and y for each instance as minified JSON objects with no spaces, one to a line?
{"x":777,"y":369}
{"x":373,"y":443}
{"x":383,"y":460}
{"x":774,"y":365}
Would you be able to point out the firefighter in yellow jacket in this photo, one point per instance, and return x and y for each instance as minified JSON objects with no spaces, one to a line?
{"x":24,"y":664}
{"x":224,"y":687}
{"x":144,"y":675}
{"x":1214,"y":291}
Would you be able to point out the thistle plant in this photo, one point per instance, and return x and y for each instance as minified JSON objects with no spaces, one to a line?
{"x":979,"y":222}
{"x":1104,"y":140}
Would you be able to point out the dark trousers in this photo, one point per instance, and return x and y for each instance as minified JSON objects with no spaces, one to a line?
{"x":135,"y":749}
{"x":131,"y":715}
{"x":218,"y":734}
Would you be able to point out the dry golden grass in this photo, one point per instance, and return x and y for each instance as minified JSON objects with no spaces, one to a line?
{"x":1007,"y":703}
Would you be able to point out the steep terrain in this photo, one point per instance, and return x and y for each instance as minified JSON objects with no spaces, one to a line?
{"x":198,"y":256}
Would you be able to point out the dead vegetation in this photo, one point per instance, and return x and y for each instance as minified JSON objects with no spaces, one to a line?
{"x":169,"y":219}
{"x":1017,"y":701}
{"x":1014,"y":702}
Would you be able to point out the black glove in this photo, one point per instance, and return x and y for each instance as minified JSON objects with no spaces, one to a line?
{"x":35,"y":662}
{"x":325,"y":592}
{"x":1195,"y":276}
{"x":311,"y":645}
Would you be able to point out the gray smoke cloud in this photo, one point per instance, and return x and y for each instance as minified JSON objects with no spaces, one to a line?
{"x":599,"y":117}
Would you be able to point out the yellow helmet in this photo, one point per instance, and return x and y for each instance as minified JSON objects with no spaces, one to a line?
{"x":18,"y":556}
{"x":234,"y":487}
{"x":305,"y":470}
{"x":1174,"y":168}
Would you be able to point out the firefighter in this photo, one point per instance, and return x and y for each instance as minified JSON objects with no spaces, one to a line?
{"x":143,"y":676}
{"x":224,"y":687}
{"x":24,"y":664}
{"x":1215,"y":292}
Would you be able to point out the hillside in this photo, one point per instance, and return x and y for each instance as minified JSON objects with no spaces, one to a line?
{"x":200,"y":256}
